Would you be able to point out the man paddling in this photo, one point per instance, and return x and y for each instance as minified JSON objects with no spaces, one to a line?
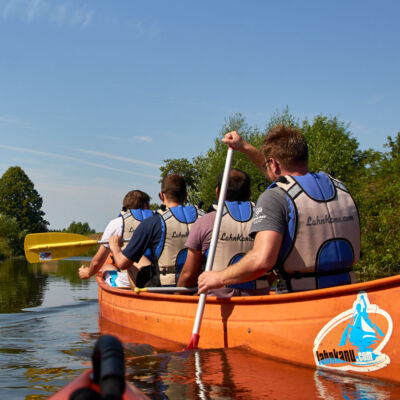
{"x":135,"y":208}
{"x":306,"y":225}
{"x":164,"y":234}
{"x":233,"y":240}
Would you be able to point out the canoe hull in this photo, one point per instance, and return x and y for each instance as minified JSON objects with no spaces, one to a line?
{"x":349,"y":329}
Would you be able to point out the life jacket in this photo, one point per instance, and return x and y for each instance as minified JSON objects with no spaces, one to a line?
{"x":322,"y":241}
{"x":171,"y":252}
{"x":234,"y":240}
{"x":131,"y":220}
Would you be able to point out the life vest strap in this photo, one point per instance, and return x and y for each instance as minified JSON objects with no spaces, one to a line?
{"x":299,"y":281}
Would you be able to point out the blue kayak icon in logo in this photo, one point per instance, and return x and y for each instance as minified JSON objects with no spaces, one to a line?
{"x":361,"y":332}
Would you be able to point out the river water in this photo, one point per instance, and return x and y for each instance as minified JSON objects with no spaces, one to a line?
{"x":49,"y":322}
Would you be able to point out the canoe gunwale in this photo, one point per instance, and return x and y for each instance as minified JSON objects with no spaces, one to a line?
{"x":379,"y":284}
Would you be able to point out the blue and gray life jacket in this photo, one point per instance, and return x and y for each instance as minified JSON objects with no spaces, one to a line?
{"x":131,"y":220}
{"x":234,"y":240}
{"x":322,"y":241}
{"x":171,"y":251}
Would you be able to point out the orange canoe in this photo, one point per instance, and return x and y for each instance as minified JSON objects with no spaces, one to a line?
{"x":350,"y":329}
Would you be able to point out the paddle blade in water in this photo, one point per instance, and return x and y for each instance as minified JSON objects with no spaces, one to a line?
{"x":48,"y":246}
{"x":194,"y":341}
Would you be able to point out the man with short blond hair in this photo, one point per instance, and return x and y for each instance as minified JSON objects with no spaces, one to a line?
{"x":306,"y":225}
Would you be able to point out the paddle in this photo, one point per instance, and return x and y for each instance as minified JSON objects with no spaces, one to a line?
{"x":50,"y":246}
{"x":194,"y":340}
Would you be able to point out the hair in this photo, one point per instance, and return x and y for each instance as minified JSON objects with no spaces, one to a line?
{"x":135,"y":199}
{"x":287,"y":144}
{"x":238,"y":185}
{"x":174,"y":187}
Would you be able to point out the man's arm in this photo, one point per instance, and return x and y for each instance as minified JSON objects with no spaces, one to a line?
{"x":235,"y":141}
{"x":115,"y":246}
{"x":255,"y":263}
{"x":191,"y":269}
{"x":97,"y":262}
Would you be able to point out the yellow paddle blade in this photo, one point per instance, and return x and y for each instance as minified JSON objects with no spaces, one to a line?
{"x":50,"y":246}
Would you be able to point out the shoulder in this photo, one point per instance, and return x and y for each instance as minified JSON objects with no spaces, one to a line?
{"x":153,"y":220}
{"x":201,"y":231}
{"x":272,"y":205}
{"x":204,"y":221}
{"x":114,"y":227}
{"x":272,"y":194}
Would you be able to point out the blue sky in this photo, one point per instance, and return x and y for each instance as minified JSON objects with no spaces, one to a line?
{"x":94,"y":95}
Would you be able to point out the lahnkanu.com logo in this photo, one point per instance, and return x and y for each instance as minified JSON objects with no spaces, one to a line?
{"x":354,"y":340}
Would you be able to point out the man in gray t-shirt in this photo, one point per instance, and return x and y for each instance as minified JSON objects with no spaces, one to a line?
{"x":280,"y":231}
{"x":316,"y":234}
{"x":271,"y":214}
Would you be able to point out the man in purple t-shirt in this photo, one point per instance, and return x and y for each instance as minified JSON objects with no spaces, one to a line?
{"x":233,"y":241}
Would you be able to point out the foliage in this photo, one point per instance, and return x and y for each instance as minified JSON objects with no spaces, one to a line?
{"x":185,"y":168}
{"x":379,"y":202}
{"x":332,"y":148}
{"x":154,"y":206}
{"x":11,"y":237}
{"x":202,"y":173}
{"x":214,"y":162}
{"x":20,"y":200}
{"x":79,"y":228}
{"x":281,"y":118}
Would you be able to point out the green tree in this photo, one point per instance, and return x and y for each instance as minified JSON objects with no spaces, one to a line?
{"x":202,"y":172}
{"x":188,"y":170}
{"x":332,"y":148}
{"x":154,"y":206}
{"x":379,"y":201}
{"x":11,"y":237}
{"x":19,"y":199}
{"x":283,"y":117}
{"x":80,"y":228}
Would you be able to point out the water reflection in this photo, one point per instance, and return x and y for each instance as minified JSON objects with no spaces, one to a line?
{"x":20,"y":286}
{"x":353,"y":388}
{"x":23,"y":285}
{"x":234,"y":373}
{"x":48,"y":325}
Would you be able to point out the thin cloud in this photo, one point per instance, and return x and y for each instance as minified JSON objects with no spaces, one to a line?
{"x":78,"y":160}
{"x":58,"y":13}
{"x":147,"y":139}
{"x":81,"y":17}
{"x":120,"y":158}
{"x":146,"y":30}
{"x":10,"y":120}
{"x":376,"y":99}
{"x":33,"y":10}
